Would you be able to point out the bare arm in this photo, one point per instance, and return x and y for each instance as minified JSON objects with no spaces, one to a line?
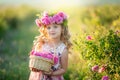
{"x":64,"y":64}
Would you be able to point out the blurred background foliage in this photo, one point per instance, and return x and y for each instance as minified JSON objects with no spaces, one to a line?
{"x":18,"y":29}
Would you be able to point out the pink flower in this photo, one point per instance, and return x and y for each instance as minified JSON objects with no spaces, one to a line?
{"x":38,"y":23}
{"x":63,"y":15}
{"x":101,"y":69}
{"x":32,"y":52}
{"x":43,"y":54}
{"x":46,"y":55}
{"x":95,"y":68}
{"x":58,"y":19}
{"x":50,"y":56}
{"x":52,"y":20}
{"x":45,"y":14}
{"x":89,"y":37}
{"x":46,"y":20}
{"x":105,"y":78}
{"x":117,"y":31}
{"x":55,"y":59}
{"x":37,"y":54}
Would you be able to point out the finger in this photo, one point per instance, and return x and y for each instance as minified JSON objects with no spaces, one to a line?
{"x":30,"y":68}
{"x":44,"y":72}
{"x":36,"y":70}
{"x":51,"y":69}
{"x":33,"y":69}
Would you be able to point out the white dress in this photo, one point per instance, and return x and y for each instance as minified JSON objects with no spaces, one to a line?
{"x":58,"y":51}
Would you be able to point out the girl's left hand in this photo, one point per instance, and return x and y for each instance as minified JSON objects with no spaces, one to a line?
{"x":48,"y":73}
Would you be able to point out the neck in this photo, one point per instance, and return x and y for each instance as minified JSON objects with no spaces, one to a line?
{"x":55,"y":42}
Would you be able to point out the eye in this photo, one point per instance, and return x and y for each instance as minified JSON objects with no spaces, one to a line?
{"x":48,"y":27}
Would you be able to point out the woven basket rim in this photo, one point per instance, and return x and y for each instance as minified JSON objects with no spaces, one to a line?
{"x":39,"y":57}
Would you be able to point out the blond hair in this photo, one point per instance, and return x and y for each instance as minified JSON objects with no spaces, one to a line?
{"x":42,"y":38}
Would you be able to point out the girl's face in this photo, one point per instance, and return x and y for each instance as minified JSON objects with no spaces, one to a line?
{"x":54,"y":31}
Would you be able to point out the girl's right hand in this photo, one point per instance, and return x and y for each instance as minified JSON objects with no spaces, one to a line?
{"x":35,"y":70}
{"x":30,"y":68}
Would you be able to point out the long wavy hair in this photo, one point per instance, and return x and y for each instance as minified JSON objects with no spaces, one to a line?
{"x":43,"y":37}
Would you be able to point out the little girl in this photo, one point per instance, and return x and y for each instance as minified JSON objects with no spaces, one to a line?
{"x":54,"y":37}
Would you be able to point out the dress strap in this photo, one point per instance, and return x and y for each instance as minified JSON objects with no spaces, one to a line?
{"x":61,"y":48}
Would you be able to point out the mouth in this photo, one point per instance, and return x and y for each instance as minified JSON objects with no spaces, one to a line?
{"x":52,"y":33}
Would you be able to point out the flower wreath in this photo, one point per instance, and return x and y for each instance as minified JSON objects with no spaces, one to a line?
{"x":47,"y":19}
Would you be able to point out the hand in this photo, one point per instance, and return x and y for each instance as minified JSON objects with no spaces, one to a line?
{"x":48,"y":73}
{"x":30,"y":68}
{"x":35,"y":70}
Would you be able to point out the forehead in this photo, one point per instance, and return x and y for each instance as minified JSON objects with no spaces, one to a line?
{"x":52,"y":25}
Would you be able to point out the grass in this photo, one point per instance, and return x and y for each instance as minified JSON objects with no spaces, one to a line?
{"x":14,"y":49}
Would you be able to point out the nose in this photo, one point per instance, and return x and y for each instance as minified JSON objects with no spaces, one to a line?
{"x":52,"y":29}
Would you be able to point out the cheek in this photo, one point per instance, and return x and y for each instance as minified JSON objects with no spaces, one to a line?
{"x":59,"y":31}
{"x":48,"y":31}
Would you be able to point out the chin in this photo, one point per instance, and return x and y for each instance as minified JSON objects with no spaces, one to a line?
{"x":54,"y":37}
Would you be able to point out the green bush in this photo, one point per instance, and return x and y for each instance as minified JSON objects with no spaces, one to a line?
{"x":100,"y":15}
{"x":3,"y":27}
{"x":104,"y":52}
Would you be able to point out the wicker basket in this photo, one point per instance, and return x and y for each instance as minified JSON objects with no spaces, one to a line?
{"x":40,"y":63}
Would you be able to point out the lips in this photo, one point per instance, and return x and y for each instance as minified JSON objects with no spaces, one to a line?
{"x":52,"y":33}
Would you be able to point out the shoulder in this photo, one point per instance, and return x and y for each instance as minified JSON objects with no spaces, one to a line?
{"x":62,"y":48}
{"x":65,"y":52}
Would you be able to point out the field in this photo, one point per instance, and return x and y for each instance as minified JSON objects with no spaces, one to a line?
{"x":18,"y":29}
